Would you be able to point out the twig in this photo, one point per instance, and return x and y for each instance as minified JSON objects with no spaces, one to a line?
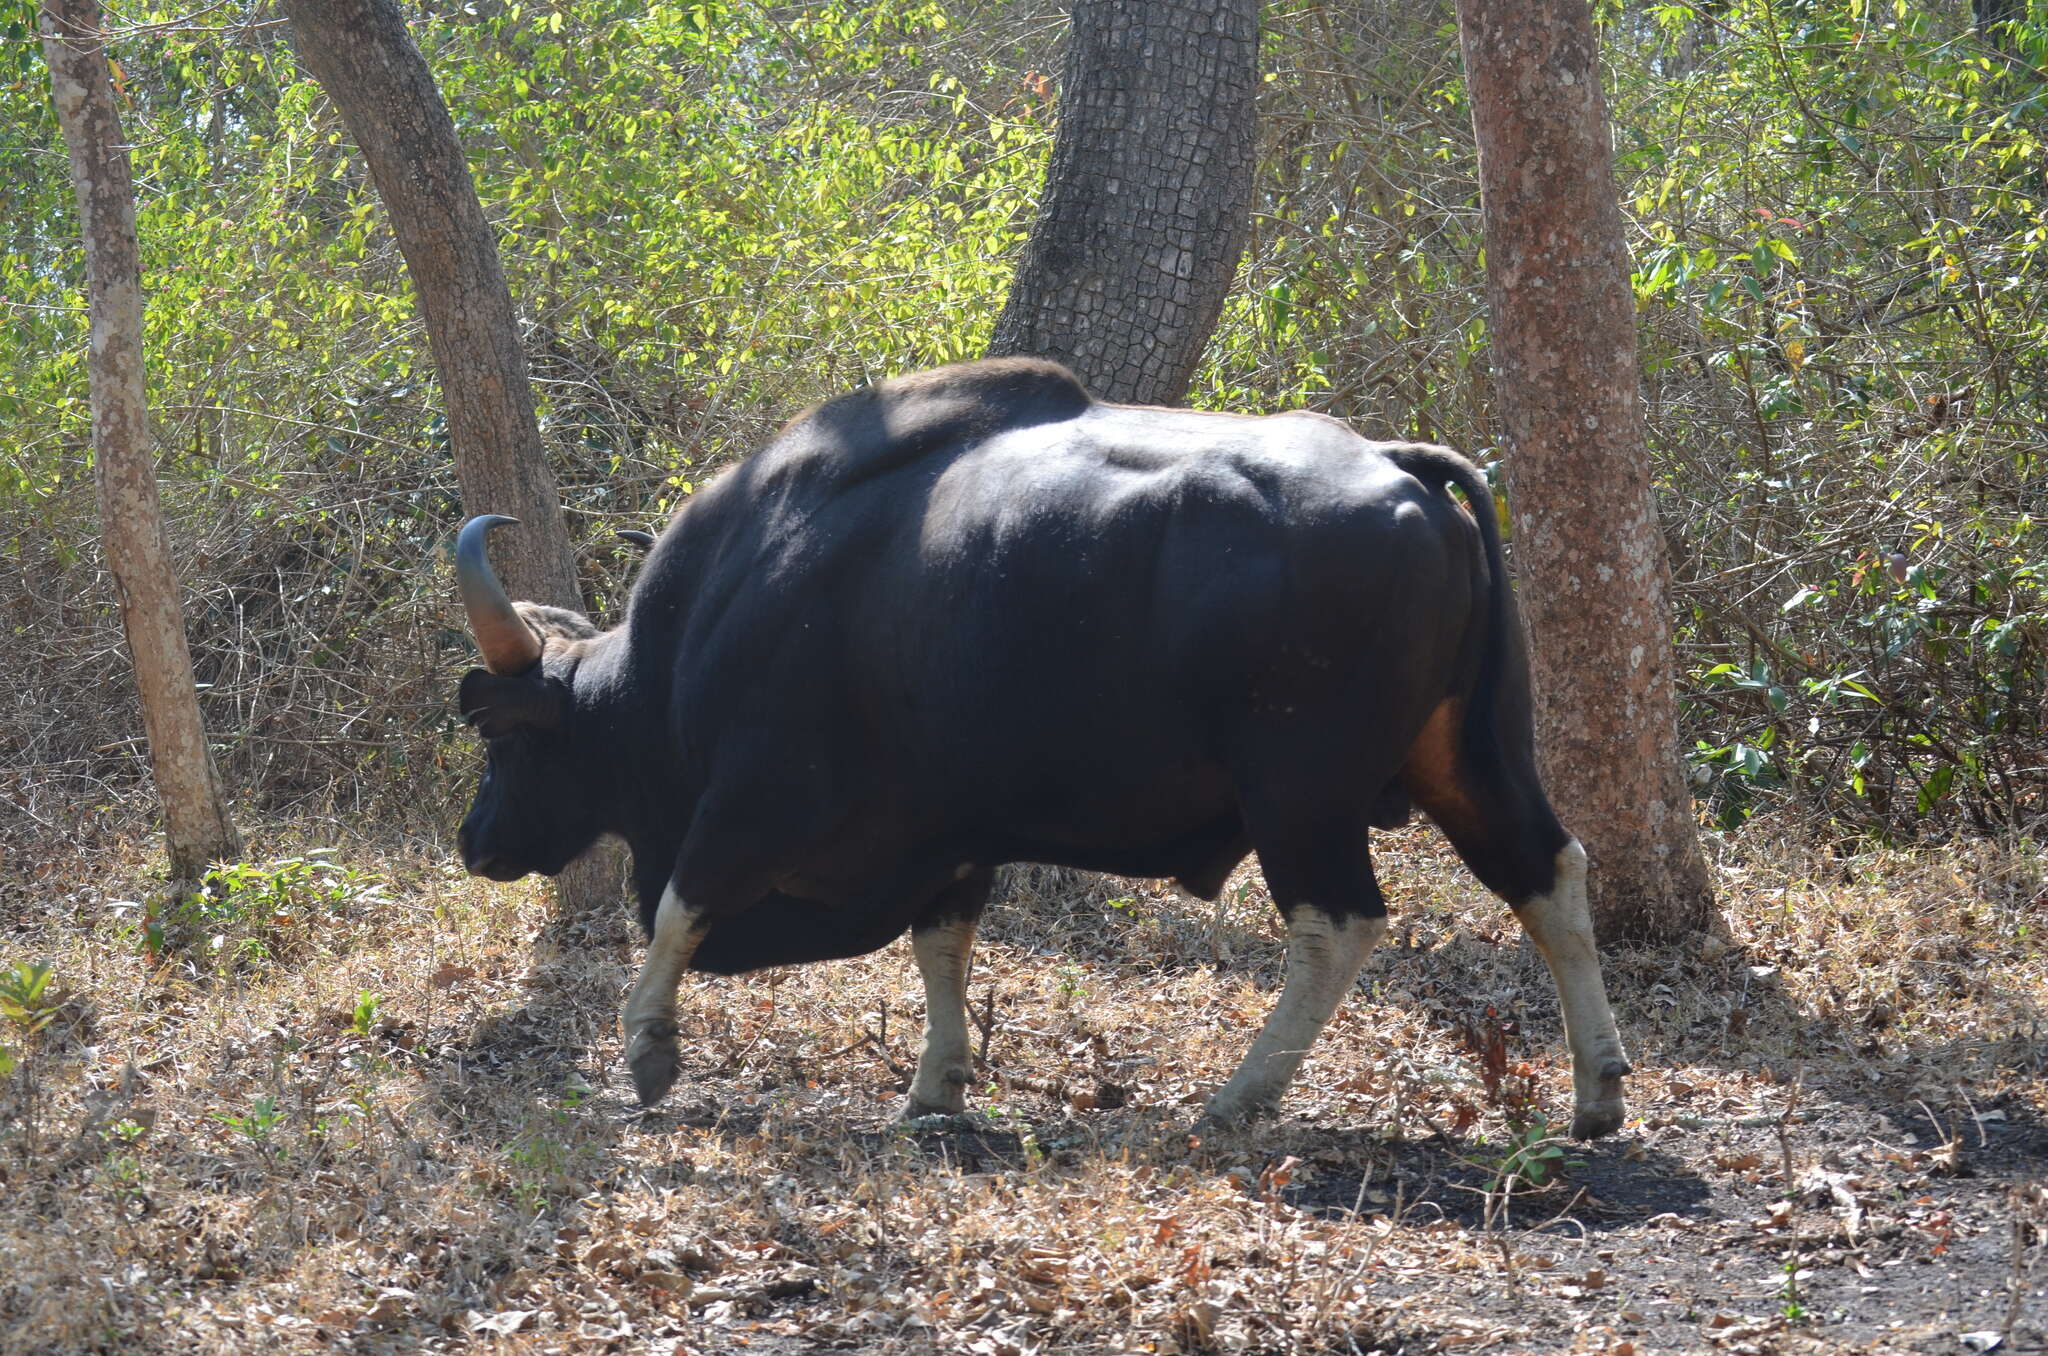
{"x":1983,"y":1140}
{"x":879,"y":1038}
{"x":1784,"y":1137}
{"x":2022,"y":1228}
{"x":985,"y":1021}
{"x":1948,"y":1153}
{"x":739,"y":1061}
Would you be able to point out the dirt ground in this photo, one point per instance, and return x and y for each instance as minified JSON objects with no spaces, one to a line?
{"x":363,"y":1103}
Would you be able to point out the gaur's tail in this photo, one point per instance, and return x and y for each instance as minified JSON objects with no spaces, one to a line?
{"x":1438,"y":467}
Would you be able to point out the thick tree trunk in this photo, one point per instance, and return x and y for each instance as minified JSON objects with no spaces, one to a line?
{"x":1595,"y":582}
{"x":1147,"y":199}
{"x":196,"y":825}
{"x":364,"y":57}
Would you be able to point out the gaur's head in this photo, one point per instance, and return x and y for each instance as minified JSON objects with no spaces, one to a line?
{"x":537,"y":807}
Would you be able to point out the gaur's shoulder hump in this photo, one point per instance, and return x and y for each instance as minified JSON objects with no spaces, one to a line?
{"x":893,"y":423}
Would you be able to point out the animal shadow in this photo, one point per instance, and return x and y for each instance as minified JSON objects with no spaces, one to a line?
{"x":1596,"y":1189}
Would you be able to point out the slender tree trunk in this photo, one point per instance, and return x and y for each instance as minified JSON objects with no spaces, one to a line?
{"x":364,"y":57}
{"x":196,"y":825}
{"x":1595,"y":582}
{"x":1147,"y":198}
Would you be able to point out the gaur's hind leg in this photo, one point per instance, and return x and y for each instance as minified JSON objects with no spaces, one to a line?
{"x":1560,"y":923}
{"x":943,"y":940}
{"x":1319,"y":869}
{"x":1495,"y":813}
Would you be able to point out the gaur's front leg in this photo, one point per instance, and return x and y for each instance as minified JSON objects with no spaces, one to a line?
{"x":943,"y":941}
{"x":650,"y":1016}
{"x":1324,"y":956}
{"x":945,"y":1063}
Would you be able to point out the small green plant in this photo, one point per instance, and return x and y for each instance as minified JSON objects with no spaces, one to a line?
{"x":246,"y":913}
{"x":365,"y":1013}
{"x":123,"y":1177}
{"x":126,"y":1131}
{"x":1034,"y":1152}
{"x":549,"y":1159}
{"x":362,"y":1099}
{"x":1790,"y":1304}
{"x":1530,"y":1157}
{"x":25,"y":999}
{"x":25,"y":1005}
{"x":539,"y":1152}
{"x":263,"y":1117}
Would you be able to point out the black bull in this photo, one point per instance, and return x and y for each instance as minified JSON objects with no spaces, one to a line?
{"x":973,"y":616}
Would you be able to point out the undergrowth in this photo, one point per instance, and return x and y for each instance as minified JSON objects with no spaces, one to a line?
{"x":400,"y":1123}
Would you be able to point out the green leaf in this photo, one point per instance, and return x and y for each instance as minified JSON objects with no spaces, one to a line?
{"x":1936,"y":787}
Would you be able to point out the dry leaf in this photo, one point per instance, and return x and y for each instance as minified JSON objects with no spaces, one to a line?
{"x":1279,"y":1174}
{"x":391,"y":1306}
{"x":1742,"y":1332}
{"x":504,"y":1324}
{"x":450,"y":974}
{"x":605,"y":1252}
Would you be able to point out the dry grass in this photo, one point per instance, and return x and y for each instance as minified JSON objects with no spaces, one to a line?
{"x":231,"y":1149}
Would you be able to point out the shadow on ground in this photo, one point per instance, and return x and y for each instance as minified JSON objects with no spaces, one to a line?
{"x":1599,"y":1189}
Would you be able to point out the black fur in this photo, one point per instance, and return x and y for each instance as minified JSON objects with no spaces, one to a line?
{"x":972,"y":616}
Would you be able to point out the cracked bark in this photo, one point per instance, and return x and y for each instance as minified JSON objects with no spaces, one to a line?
{"x":197,"y":829}
{"x":1147,"y":199}
{"x":364,"y":58}
{"x":1595,"y":583}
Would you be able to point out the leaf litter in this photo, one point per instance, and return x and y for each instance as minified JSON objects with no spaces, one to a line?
{"x":415,"y":1134}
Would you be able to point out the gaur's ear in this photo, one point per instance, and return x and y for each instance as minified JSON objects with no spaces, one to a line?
{"x":497,"y":705}
{"x":555,"y":623}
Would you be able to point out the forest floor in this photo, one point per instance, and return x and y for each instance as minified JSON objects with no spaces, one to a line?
{"x":374,"y":1105}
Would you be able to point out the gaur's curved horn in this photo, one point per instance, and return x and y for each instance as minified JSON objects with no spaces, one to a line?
{"x":643,"y":540}
{"x":508,"y":644}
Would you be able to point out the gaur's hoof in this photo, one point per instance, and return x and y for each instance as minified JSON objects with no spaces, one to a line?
{"x":948,"y":1099}
{"x":653,"y":1060}
{"x":1604,"y":1115}
{"x":916,"y":1108}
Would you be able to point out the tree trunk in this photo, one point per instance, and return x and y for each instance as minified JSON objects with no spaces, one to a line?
{"x":1595,"y":582}
{"x":364,"y":57}
{"x":196,"y":825}
{"x":1147,"y":198}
